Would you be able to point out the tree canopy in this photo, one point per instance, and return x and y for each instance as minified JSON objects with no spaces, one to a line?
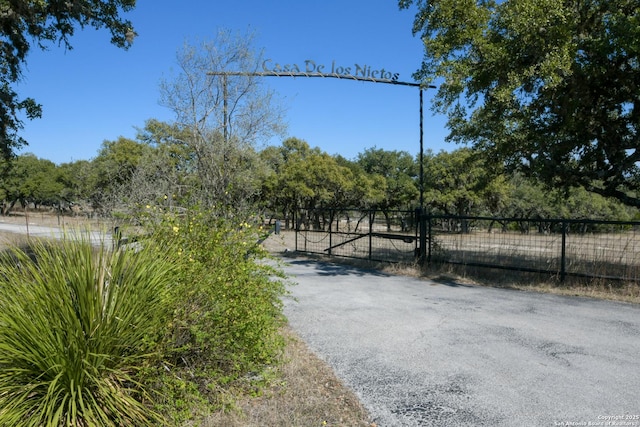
{"x":545,"y":87}
{"x":399,"y":172}
{"x":294,"y":180}
{"x":23,"y":23}
{"x":455,"y":181}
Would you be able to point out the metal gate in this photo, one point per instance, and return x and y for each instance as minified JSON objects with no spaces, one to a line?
{"x":375,"y":235}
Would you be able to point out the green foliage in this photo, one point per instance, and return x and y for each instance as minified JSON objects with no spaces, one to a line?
{"x":545,"y":87}
{"x":29,"y":179}
{"x":578,"y":203}
{"x":112,"y":172}
{"x":77,"y":179}
{"x":368,"y":190}
{"x":117,"y":161}
{"x":76,"y":322}
{"x":227,"y":307}
{"x":398,"y":170}
{"x":43,"y":22}
{"x":528,"y":199}
{"x":90,"y":336}
{"x":155,"y":170}
{"x":455,"y":181}
{"x":307,"y":178}
{"x":459,"y":182}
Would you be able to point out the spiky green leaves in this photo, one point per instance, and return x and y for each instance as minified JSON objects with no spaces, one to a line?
{"x":75,"y":323}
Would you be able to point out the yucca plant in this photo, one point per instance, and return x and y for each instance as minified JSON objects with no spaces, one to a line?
{"x":76,"y":322}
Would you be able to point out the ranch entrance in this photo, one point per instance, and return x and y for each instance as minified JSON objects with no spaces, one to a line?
{"x":585,"y":248}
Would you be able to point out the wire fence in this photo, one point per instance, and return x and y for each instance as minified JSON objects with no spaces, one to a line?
{"x":580,"y":248}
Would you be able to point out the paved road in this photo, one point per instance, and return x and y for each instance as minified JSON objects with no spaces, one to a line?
{"x":95,"y":237}
{"x":420,"y":353}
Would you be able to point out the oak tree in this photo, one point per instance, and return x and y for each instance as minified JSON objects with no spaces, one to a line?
{"x":41,"y":23}
{"x":30,"y":180}
{"x":547,"y":87}
{"x":306,"y":181}
{"x":113,"y":168}
{"x":454,"y":182}
{"x":400,"y":172}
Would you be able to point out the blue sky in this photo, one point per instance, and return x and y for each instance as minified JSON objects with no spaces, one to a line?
{"x":97,"y":92}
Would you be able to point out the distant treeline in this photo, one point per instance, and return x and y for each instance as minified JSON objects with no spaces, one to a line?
{"x":159,"y":169}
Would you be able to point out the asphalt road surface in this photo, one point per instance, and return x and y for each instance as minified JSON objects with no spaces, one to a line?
{"x":96,"y":237}
{"x":419,"y":353}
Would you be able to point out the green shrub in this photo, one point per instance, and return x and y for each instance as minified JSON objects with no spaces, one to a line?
{"x":227,"y":305}
{"x":76,"y":323}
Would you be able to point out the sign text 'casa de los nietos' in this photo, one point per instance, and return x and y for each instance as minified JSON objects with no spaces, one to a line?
{"x":311,"y":67}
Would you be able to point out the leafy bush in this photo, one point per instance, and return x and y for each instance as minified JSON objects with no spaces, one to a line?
{"x":76,"y":323}
{"x":227,"y":307}
{"x":90,"y":336}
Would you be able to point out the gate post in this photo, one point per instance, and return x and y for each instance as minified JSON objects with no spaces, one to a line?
{"x":429,"y":237}
{"x":422,"y":247}
{"x":330,"y":230}
{"x":296,"y":227}
{"x":372,"y":218}
{"x":563,"y":253}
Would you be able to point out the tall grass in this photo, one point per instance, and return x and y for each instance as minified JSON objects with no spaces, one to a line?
{"x":76,"y":322}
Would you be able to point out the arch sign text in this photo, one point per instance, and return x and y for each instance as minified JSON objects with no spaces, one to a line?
{"x":312,"y":67}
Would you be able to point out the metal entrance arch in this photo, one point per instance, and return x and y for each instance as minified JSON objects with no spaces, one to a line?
{"x":421,"y":88}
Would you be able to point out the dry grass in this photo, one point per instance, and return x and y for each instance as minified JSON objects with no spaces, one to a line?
{"x":304,"y":392}
{"x":595,"y":288}
{"x":12,"y":240}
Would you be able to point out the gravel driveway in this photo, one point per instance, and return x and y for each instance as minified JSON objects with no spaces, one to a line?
{"x":420,"y":353}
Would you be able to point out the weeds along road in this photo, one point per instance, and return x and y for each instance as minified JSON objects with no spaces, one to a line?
{"x":419,"y":353}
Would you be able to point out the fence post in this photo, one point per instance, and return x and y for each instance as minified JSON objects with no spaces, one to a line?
{"x":117,"y":237}
{"x":330,"y":230}
{"x":430,"y":239}
{"x":422,"y":255}
{"x":372,"y":216}
{"x":296,"y":227}
{"x":563,"y":256}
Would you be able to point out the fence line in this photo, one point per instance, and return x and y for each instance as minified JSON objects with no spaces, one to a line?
{"x":562,"y":247}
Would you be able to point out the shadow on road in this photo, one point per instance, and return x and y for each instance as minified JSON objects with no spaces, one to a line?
{"x":330,"y":269}
{"x":447,"y":281}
